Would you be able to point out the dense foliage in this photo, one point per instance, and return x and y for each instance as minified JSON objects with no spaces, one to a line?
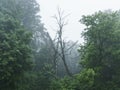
{"x":31,"y":60}
{"x":101,"y":49}
{"x":15,"y":52}
{"x":99,"y":55}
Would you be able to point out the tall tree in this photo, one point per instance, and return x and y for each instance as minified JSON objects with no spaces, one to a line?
{"x":59,"y":45}
{"x":101,"y":48}
{"x":15,"y":52}
{"x":27,"y":12}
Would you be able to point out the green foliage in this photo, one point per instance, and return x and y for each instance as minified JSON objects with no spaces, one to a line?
{"x":85,"y":80}
{"x":44,"y":78}
{"x":100,"y":54}
{"x":101,"y":48}
{"x":15,"y":52}
{"x":81,"y":81}
{"x":43,"y":58}
{"x":26,"y":12}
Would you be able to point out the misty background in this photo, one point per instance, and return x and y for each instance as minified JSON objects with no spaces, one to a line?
{"x":59,"y":45}
{"x":75,"y":9}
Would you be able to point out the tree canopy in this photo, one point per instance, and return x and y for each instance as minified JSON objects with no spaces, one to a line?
{"x":31,"y":60}
{"x":101,"y":48}
{"x":15,"y":51}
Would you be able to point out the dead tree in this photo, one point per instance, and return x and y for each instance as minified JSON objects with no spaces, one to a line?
{"x":60,"y":21}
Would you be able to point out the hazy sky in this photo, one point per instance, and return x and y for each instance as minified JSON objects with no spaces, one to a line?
{"x":76,"y":8}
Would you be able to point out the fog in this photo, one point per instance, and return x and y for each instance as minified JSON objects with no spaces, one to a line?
{"x":59,"y":45}
{"x":75,"y":9}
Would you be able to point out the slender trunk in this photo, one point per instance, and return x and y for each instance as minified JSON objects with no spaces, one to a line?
{"x":66,"y":66}
{"x":62,"y":45}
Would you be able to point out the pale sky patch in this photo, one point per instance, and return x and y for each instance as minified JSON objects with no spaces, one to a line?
{"x":76,"y":8}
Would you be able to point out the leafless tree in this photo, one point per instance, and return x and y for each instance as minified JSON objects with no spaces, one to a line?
{"x":60,"y":45}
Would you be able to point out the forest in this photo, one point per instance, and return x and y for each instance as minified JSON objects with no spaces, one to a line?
{"x":30,"y":59}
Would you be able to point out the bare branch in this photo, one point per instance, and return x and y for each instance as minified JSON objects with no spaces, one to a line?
{"x":71,"y":46}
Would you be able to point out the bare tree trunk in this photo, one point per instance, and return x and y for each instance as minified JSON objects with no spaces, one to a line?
{"x":64,"y":61}
{"x":61,"y":23}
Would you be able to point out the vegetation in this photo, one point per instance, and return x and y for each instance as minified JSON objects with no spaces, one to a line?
{"x":31,"y":60}
{"x":15,"y":52}
{"x":99,"y":54}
